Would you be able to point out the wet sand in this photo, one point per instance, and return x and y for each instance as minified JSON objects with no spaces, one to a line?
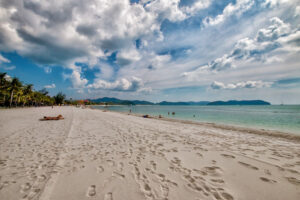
{"x":105,"y":155}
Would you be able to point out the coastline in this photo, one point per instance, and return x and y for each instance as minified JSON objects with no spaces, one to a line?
{"x":93,"y":154}
{"x":258,"y":131}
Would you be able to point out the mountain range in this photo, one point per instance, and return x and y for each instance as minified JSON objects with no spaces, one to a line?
{"x":110,"y":100}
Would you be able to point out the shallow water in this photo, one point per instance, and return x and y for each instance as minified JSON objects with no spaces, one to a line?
{"x":284,"y":118}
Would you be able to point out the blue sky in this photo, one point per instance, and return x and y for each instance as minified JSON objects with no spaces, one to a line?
{"x":175,"y":50}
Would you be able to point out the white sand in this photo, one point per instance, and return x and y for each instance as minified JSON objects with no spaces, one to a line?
{"x":110,"y":156}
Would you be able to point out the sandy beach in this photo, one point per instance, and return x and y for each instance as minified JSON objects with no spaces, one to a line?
{"x":111,"y":156}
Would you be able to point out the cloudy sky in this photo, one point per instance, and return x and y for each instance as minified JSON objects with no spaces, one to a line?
{"x":175,"y":50}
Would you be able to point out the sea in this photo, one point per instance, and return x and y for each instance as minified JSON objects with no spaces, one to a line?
{"x":285,"y":118}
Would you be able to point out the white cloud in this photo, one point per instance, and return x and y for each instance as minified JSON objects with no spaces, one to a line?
{"x":132,"y":85}
{"x":196,"y":6}
{"x":52,"y":33}
{"x":9,"y":67}
{"x":172,"y":10}
{"x":166,"y":9}
{"x":47,"y":70}
{"x":51,"y":86}
{"x":276,"y":30}
{"x":276,"y":2}
{"x":77,"y":81}
{"x":106,"y":71}
{"x":231,"y":9}
{"x":297,"y":11}
{"x":278,"y":36}
{"x":64,"y":32}
{"x":3,"y":59}
{"x":247,"y":84}
{"x":146,"y":90}
{"x":127,"y":56}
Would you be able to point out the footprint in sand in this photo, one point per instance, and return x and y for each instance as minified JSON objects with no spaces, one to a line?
{"x":267,"y":180}
{"x":217,"y":180}
{"x":213,"y":171}
{"x":161,"y":176}
{"x":41,"y":178}
{"x":32,"y":194}
{"x":108,"y":196}
{"x":248,"y":165}
{"x":25,"y":187}
{"x":165,"y":191}
{"x":120,"y":166}
{"x":91,"y":191}
{"x":153,"y":164}
{"x":228,"y":156}
{"x":118,"y":174}
{"x":100,"y":169}
{"x":111,"y":163}
{"x":293,"y":180}
{"x":227,"y":196}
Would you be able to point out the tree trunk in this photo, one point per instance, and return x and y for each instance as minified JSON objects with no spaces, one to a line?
{"x":11,"y":98}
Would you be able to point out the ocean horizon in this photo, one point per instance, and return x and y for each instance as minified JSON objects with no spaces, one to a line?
{"x":284,"y":118}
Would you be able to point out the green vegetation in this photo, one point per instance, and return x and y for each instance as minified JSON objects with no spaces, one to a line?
{"x":59,"y":98}
{"x":14,"y":93}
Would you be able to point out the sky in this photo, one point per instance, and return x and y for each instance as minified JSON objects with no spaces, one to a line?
{"x":174,"y":50}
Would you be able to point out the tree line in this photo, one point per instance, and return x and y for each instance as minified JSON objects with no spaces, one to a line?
{"x":14,"y":93}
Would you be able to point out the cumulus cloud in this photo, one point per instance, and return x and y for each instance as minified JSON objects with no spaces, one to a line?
{"x":276,"y":2}
{"x":172,"y":10}
{"x":51,"y":86}
{"x":65,"y":32}
{"x":277,"y":36}
{"x":77,"y":80}
{"x":134,"y":84}
{"x":52,"y":33}
{"x":146,"y":90}
{"x":127,"y":56}
{"x":240,"y":7}
{"x":237,"y":9}
{"x":247,"y":84}
{"x":68,"y":31}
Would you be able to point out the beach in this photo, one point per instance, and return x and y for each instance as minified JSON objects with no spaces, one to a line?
{"x":92,"y":154}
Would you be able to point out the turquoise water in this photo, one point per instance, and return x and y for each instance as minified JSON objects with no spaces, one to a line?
{"x":284,"y":118}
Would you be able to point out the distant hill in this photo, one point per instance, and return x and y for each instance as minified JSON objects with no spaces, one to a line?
{"x":110,"y":100}
{"x":137,"y":102}
{"x":106,"y":100}
{"x":189,"y":103}
{"x":119,"y":101}
{"x":234,"y":102}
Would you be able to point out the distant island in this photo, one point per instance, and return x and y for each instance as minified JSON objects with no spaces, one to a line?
{"x":234,"y":102}
{"x":115,"y":101}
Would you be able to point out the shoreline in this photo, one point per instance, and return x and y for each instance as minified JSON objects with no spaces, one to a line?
{"x":116,"y":156}
{"x":250,"y":130}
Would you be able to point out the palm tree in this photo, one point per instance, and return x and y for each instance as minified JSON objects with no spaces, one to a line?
{"x":27,"y":92}
{"x":13,"y":91}
{"x":3,"y":87}
{"x":14,"y":86}
{"x":59,"y":98}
